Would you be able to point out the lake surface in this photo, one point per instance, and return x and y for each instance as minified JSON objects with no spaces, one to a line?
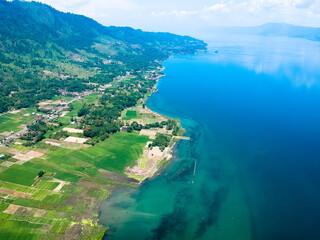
{"x":252,"y":111}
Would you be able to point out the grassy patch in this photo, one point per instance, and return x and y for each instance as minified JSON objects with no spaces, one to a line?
{"x":64,"y":120}
{"x":50,"y":132}
{"x":44,"y":184}
{"x":130,"y":115}
{"x":10,"y":229}
{"x":3,"y":206}
{"x":114,"y":154}
{"x":143,"y":163}
{"x":91,"y":98}
{"x":76,"y":106}
{"x":20,"y":147}
{"x":19,"y":174}
{"x":11,"y":122}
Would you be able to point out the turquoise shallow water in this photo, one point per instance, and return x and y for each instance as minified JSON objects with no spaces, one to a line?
{"x":252,"y":112}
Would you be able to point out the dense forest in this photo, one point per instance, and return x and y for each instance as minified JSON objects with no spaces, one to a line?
{"x":43,"y":51}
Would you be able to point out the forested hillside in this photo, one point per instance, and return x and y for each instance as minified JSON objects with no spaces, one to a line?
{"x":43,"y":51}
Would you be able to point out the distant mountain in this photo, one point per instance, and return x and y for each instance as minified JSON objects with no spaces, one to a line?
{"x":277,"y":29}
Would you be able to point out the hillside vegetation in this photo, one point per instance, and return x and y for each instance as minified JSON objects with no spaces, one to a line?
{"x":43,"y":50}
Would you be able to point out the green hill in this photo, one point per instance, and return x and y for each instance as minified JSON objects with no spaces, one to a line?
{"x":71,"y":49}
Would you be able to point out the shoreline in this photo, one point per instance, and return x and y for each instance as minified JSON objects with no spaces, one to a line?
{"x":164,"y":161}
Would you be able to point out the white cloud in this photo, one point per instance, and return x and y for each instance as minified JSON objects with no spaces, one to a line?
{"x":179,"y":15}
{"x":174,"y":13}
{"x":217,"y":7}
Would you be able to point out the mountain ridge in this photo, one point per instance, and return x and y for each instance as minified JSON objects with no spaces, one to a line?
{"x":276,"y":29}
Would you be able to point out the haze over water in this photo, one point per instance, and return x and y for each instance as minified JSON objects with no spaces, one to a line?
{"x":252,"y":111}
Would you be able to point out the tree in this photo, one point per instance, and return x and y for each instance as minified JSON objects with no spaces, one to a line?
{"x":136,"y":126}
{"x":41,"y":173}
{"x":129,"y":129}
{"x":83,"y":112}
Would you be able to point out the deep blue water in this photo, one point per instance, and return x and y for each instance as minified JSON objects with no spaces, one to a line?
{"x":253,"y":114}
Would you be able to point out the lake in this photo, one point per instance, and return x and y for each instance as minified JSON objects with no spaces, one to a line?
{"x":252,"y":110}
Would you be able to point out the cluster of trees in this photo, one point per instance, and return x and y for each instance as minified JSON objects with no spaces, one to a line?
{"x":162,"y":141}
{"x":60,"y":134}
{"x":24,"y":88}
{"x":36,"y":132}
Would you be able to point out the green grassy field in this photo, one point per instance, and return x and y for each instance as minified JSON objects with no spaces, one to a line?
{"x":11,"y":122}
{"x":76,"y":106}
{"x":47,"y":185}
{"x":19,"y":174}
{"x":114,"y":154}
{"x":64,"y":120}
{"x":130,"y":115}
{"x":91,"y":98}
{"x":10,"y":229}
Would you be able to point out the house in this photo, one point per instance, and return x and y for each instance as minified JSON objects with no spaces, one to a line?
{"x":123,"y":129}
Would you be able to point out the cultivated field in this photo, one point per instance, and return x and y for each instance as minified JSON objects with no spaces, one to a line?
{"x":12,"y":121}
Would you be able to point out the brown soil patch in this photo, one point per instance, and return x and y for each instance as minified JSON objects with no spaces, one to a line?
{"x":150,"y":133}
{"x":61,"y":184}
{"x":53,"y":142}
{"x":15,"y":193}
{"x":15,"y":111}
{"x":57,"y":102}
{"x":75,"y":140}
{"x":72,"y":130}
{"x":53,"y":124}
{"x":75,"y":146}
{"x":86,"y":183}
{"x":165,"y":131}
{"x":28,"y":156}
{"x":7,"y":164}
{"x":13,"y":151}
{"x":114,"y":177}
{"x":11,"y":209}
{"x":153,"y":155}
{"x":45,"y":103}
{"x":145,"y":111}
{"x":40,"y":213}
{"x":5,"y":134}
{"x":73,"y":233}
{"x":24,"y":210}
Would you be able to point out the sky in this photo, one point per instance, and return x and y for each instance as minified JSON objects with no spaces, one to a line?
{"x":188,"y":16}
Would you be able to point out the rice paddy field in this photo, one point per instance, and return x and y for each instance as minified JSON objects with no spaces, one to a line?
{"x":62,"y":203}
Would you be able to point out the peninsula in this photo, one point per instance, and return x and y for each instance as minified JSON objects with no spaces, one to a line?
{"x":73,"y":119}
